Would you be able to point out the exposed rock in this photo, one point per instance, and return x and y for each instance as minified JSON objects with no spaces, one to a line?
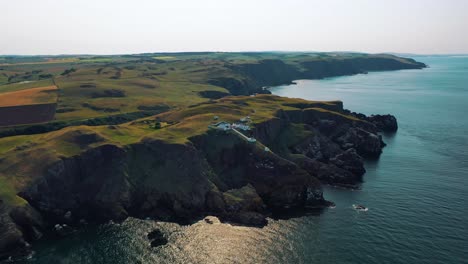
{"x":93,"y":185}
{"x":28,"y":220}
{"x":318,"y":147}
{"x":159,"y":242}
{"x":156,"y":233}
{"x":157,"y":238}
{"x":385,"y":123}
{"x":367,"y":144}
{"x":243,"y":199}
{"x":68,"y":216}
{"x":63,"y":230}
{"x":277,"y":181}
{"x":328,"y":173}
{"x":18,"y":227}
{"x":215,"y":201}
{"x":350,"y":161}
{"x":12,"y":241}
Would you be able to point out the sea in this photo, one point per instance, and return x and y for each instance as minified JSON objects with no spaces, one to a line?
{"x":416,"y":193}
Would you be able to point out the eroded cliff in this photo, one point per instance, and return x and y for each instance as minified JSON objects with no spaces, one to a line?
{"x":186,"y":167}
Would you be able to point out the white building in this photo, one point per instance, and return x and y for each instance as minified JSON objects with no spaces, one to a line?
{"x":222,"y":126}
{"x":240,"y":126}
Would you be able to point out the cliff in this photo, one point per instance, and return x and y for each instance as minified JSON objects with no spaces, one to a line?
{"x":182,"y":170}
{"x":250,"y":77}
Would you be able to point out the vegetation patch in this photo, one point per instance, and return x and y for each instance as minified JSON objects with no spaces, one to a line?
{"x":88,"y":85}
{"x":213,"y":94}
{"x":100,"y":108}
{"x":68,"y":71}
{"x":65,"y":110}
{"x":108,"y":93}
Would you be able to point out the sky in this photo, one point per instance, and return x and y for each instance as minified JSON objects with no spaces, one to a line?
{"x":49,"y":27}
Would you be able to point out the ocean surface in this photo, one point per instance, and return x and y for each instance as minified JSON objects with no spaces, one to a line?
{"x":417,"y":192}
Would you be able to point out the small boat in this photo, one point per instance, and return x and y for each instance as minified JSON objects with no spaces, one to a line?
{"x":360,"y":207}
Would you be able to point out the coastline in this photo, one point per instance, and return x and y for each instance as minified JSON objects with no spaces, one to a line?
{"x":333,"y":144}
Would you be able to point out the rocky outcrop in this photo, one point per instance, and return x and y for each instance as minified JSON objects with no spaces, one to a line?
{"x":337,"y":144}
{"x":366,"y":143}
{"x":385,"y":123}
{"x":18,"y":227}
{"x":152,"y":178}
{"x":382,"y":123}
{"x":157,"y":238}
{"x":92,"y":185}
{"x":238,"y":164}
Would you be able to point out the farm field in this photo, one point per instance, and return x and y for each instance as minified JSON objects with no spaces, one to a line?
{"x":28,"y":106}
{"x":39,"y":95}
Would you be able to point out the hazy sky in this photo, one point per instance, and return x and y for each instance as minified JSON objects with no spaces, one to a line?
{"x":137,"y":26}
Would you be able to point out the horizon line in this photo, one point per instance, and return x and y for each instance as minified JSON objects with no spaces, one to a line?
{"x":250,"y":51}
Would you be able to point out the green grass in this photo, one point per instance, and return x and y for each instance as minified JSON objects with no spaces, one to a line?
{"x":10,"y":143}
{"x":8,"y":193}
{"x":95,"y":60}
{"x":166,"y":58}
{"x":3,"y":78}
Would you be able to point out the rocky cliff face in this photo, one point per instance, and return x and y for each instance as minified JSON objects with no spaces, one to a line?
{"x":271,"y":72}
{"x":333,"y":152}
{"x":18,"y":227}
{"x":216,"y":172}
{"x":174,"y":182}
{"x":329,"y":68}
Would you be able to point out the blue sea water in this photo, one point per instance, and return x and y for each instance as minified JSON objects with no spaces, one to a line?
{"x":417,"y":192}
